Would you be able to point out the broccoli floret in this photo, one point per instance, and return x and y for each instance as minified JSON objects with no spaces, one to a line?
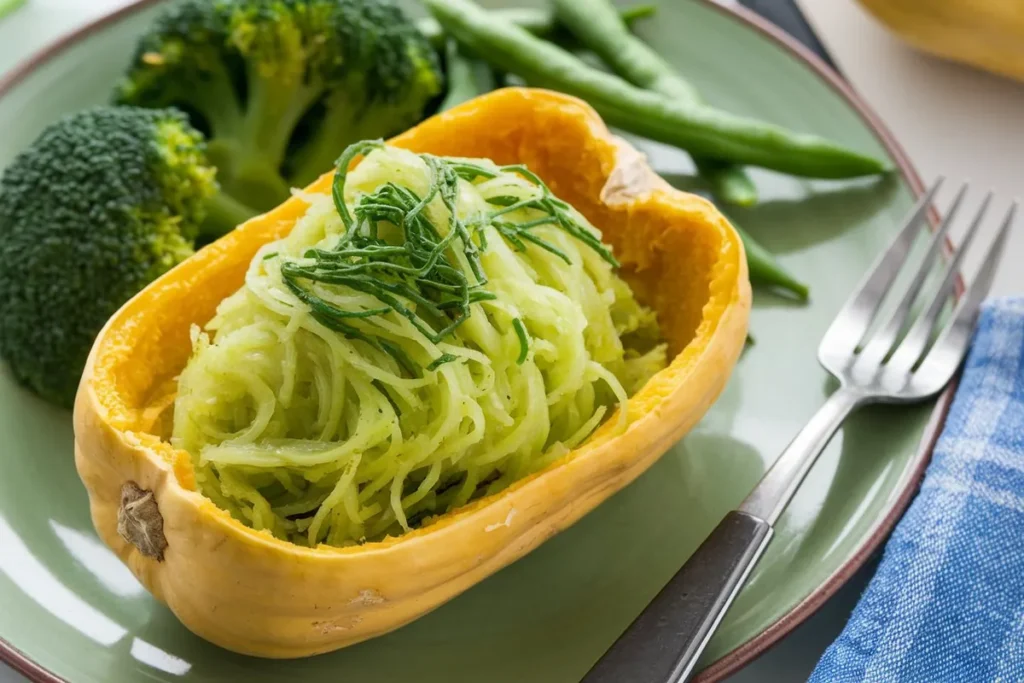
{"x":103,"y":202}
{"x":281,"y":87}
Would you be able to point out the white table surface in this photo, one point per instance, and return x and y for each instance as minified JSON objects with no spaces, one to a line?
{"x":951,"y":120}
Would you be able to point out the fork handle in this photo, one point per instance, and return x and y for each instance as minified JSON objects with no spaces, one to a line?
{"x":662,"y":645}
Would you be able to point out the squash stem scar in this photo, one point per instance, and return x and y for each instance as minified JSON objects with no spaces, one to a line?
{"x":139,"y":521}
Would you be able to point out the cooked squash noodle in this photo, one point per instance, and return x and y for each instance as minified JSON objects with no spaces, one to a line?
{"x":429,"y":333}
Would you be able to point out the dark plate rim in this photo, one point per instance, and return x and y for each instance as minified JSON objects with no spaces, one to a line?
{"x":753,"y":648}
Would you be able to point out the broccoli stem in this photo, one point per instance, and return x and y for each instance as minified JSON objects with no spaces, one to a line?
{"x":345,"y":122}
{"x":249,"y":154}
{"x":319,"y":153}
{"x":274,"y":109}
{"x":223,"y":214}
{"x":245,"y":175}
{"x":238,"y":147}
{"x":214,"y":97}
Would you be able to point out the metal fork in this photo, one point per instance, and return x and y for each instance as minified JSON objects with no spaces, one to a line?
{"x":663,"y":644}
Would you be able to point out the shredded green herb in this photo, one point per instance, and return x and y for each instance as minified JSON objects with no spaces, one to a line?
{"x":524,"y":340}
{"x":417,"y":275}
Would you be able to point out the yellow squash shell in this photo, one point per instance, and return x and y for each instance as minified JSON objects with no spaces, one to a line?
{"x":252,"y":593}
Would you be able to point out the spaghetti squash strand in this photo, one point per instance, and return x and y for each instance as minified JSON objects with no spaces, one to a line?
{"x":429,"y":332}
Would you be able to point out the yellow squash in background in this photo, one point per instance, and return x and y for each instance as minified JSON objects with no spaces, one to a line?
{"x":985,"y":33}
{"x":250,"y":592}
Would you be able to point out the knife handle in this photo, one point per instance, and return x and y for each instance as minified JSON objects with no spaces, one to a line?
{"x":663,"y":644}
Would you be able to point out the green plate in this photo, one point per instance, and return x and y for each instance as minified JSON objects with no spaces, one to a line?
{"x":72,"y":611}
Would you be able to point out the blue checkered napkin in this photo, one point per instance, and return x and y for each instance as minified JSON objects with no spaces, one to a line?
{"x":947,"y":602}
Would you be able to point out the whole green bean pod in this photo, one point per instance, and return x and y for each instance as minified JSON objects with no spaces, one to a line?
{"x":539,"y":22}
{"x":597,"y":24}
{"x":700,"y":130}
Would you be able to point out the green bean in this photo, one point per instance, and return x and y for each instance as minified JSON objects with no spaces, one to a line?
{"x":466,"y":77}
{"x":597,"y":24}
{"x":539,"y":22}
{"x":700,"y":130}
{"x":765,"y":270}
{"x":728,"y":182}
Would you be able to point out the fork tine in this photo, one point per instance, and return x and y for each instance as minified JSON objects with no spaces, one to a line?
{"x":951,"y":346}
{"x":882,"y":341}
{"x":854,"y":318}
{"x":913,"y":345}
